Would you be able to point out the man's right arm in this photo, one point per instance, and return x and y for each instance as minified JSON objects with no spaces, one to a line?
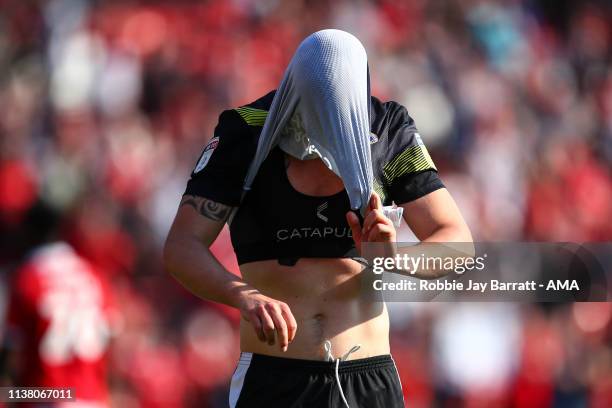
{"x":187,"y":256}
{"x":188,"y":259}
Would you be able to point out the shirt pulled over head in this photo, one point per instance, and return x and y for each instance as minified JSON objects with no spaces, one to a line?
{"x":321,"y":110}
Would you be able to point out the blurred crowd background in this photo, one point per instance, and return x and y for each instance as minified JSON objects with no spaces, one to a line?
{"x":106,"y":105}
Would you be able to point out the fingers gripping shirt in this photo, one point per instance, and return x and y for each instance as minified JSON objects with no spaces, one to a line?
{"x":274,"y":221}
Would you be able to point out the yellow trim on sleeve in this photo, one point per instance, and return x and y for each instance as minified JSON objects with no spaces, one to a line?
{"x":253,"y":116}
{"x":411,"y":160}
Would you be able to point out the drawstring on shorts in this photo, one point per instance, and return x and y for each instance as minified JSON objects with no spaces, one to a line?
{"x":330,"y":357}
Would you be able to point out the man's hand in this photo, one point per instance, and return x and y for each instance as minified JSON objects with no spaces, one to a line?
{"x":269,"y":317}
{"x":376,"y":227}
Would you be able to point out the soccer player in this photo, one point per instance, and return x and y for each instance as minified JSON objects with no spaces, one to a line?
{"x":308,"y":339}
{"x":59,"y":319}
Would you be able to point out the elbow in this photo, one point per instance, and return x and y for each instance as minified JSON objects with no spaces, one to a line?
{"x":454,"y":232}
{"x":464,"y":236}
{"x":459,"y":237}
{"x":462,"y":232}
{"x":180,"y":253}
{"x":170,"y":256}
{"x":468,"y":235}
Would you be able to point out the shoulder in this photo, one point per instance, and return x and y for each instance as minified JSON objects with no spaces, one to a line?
{"x":243,"y":124}
{"x":256,"y":112}
{"x":237,"y":131}
{"x":223,"y":164}
{"x":400,"y":159}
{"x":251,"y":114}
{"x":395,"y":130}
{"x":264,"y":102}
{"x":387,"y":118}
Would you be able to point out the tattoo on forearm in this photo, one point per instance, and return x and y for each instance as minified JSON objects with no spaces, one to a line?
{"x":208,"y":208}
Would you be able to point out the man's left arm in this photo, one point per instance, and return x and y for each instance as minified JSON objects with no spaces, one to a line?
{"x":435,"y":217}
{"x":408,"y":176}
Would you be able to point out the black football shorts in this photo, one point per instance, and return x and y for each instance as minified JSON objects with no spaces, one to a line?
{"x":274,"y":382}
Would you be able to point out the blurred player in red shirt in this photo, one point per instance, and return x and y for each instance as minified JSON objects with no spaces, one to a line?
{"x":59,"y":318}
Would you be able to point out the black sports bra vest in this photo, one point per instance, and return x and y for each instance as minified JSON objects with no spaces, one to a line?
{"x":275,"y":221}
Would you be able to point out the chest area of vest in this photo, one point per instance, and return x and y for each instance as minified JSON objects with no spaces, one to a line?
{"x":274,"y":208}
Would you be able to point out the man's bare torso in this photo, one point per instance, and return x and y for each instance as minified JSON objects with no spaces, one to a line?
{"x":325,"y":296}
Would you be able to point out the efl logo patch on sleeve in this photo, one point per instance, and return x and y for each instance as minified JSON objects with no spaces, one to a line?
{"x":418,"y":139}
{"x":208,"y":151}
